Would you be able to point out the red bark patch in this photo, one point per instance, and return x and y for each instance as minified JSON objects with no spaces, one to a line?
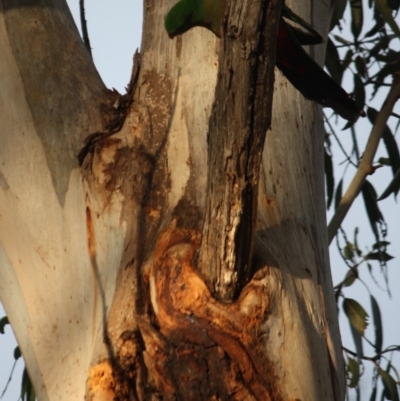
{"x":203,"y":349}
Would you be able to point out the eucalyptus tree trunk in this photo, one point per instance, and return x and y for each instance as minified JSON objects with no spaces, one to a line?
{"x":164,"y":244}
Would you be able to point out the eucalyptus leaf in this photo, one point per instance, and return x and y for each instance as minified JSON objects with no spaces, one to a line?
{"x":356,"y":8}
{"x":386,"y":13}
{"x":389,"y":384}
{"x":332,"y":62}
{"x":353,"y":369}
{"x":3,"y":322}
{"x":356,"y":315}
{"x":17,"y":353}
{"x":377,"y":319}
{"x":392,"y":188}
{"x":370,"y":200}
{"x":338,"y":195}
{"x":330,"y":179}
{"x":392,"y":149}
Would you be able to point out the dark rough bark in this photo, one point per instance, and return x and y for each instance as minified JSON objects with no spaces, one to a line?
{"x":238,"y":126}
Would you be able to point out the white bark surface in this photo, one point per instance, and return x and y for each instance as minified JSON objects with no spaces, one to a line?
{"x":47,"y":284}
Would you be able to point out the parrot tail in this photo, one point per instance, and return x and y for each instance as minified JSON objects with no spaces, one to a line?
{"x":309,"y":78}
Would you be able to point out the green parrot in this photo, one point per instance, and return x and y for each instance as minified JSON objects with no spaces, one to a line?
{"x":298,"y":67}
{"x":187,"y":14}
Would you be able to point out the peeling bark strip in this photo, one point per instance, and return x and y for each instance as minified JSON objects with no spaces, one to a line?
{"x":204,"y":349}
{"x":245,"y":96}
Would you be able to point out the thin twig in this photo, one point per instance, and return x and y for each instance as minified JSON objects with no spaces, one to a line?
{"x":355,"y":144}
{"x":365,"y":167}
{"x":85,"y":34}
{"x":376,"y":357}
{"x":333,"y":133}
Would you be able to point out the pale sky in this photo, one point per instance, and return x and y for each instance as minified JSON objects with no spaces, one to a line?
{"x":115,"y":31}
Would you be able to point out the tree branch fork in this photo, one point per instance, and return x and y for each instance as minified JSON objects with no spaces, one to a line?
{"x":365,"y":167}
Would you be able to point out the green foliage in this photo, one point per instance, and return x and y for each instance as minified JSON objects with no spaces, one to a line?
{"x":390,"y":387}
{"x":330,"y":179}
{"x":334,"y":68}
{"x":27,"y":391}
{"x":338,"y":195}
{"x":353,"y":372}
{"x":356,"y":7}
{"x":386,"y":12}
{"x":3,"y":322}
{"x":367,"y":55}
{"x":358,"y":319}
{"x":356,"y":315}
{"x":377,"y":319}
{"x":393,"y":187}
{"x":392,"y":149}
